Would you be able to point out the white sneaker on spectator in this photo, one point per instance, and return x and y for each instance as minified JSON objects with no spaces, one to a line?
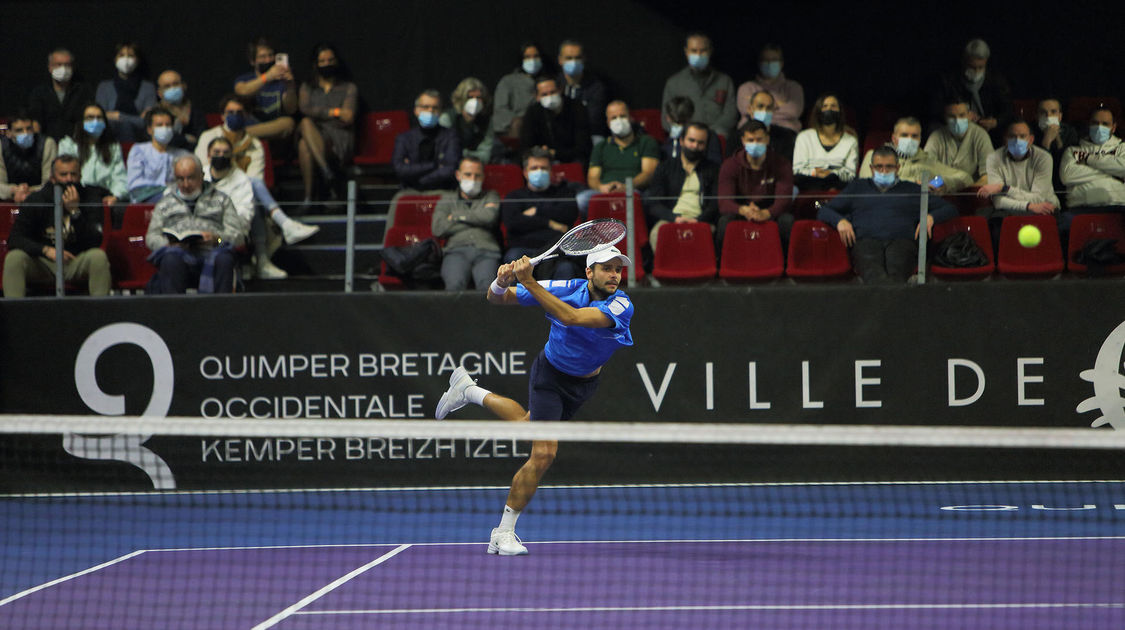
{"x":506,"y":543}
{"x":294,"y":231}
{"x":269,"y":271}
{"x":454,"y":397}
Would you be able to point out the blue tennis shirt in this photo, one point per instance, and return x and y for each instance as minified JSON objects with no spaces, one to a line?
{"x":575,"y":350}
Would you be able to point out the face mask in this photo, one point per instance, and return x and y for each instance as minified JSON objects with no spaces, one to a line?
{"x":25,"y":140}
{"x":221,"y":162}
{"x":1099,"y":134}
{"x":162,"y":134}
{"x":907,"y":146}
{"x":539,"y":179}
{"x":94,"y":127}
{"x":473,"y":106}
{"x":620,"y":127}
{"x":188,"y":197}
{"x":763,"y":116}
{"x":262,"y":68}
{"x":693,"y":155}
{"x":1048,"y":121}
{"x":126,"y":65}
{"x":676,"y":131}
{"x":1017,"y":147}
{"x":974,"y":76}
{"x":427,"y":119}
{"x":328,"y":71}
{"x":234,"y":121}
{"x":957,"y":126}
{"x":174,"y":94}
{"x":755,"y":149}
{"x":572,"y":67}
{"x":829,"y":117}
{"x":532,"y":65}
{"x":470,"y":187}
{"x":770,"y":69}
{"x":62,"y":74}
{"x":698,"y":61}
{"x":552,"y":102}
{"x":884,"y":180}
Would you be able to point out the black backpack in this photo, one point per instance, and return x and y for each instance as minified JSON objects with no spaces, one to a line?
{"x":415,"y":263}
{"x":959,"y":250}
{"x":1097,"y":254}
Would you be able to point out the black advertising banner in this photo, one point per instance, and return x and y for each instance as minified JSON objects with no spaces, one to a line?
{"x":1010,"y":354}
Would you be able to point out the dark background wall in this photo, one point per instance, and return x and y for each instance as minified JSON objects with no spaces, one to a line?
{"x":870,"y":52}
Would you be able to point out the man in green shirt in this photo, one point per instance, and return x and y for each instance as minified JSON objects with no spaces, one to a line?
{"x":624,"y":154}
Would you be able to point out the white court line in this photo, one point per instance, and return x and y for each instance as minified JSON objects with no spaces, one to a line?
{"x":65,"y":578}
{"x":312,"y":597}
{"x":422,"y":611}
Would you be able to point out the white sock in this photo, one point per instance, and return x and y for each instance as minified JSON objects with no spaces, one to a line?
{"x":476,"y":394}
{"x":508,"y":521}
{"x":279,"y":217}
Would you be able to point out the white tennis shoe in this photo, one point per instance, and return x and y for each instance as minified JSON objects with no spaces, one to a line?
{"x":454,"y":397}
{"x":506,"y":543}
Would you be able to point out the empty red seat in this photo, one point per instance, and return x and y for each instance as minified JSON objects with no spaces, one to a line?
{"x":570,"y":171}
{"x":376,"y":136}
{"x":751,"y":251}
{"x":1086,"y":227}
{"x":652,"y":122}
{"x":1027,"y":110}
{"x":1080,"y":108}
{"x":397,"y":236}
{"x":126,"y":249}
{"x":686,"y":251}
{"x":414,"y":210}
{"x":816,"y":251}
{"x":975,"y":226}
{"x":614,"y":206}
{"x":503,"y":178}
{"x":1043,"y":259}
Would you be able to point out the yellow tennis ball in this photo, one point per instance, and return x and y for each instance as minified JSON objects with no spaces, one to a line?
{"x":1030,"y":236}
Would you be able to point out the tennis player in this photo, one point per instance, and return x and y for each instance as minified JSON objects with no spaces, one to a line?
{"x":589,"y":322}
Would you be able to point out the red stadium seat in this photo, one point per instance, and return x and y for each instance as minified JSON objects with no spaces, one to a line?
{"x":376,"y":139}
{"x":686,"y":251}
{"x":125,"y":148}
{"x":397,"y":236}
{"x":503,"y":178}
{"x":570,"y":171}
{"x":881,"y":120}
{"x":414,"y":210}
{"x":751,"y":251}
{"x":1080,"y":108}
{"x":1043,"y":259}
{"x":816,"y":251}
{"x":1027,"y":110}
{"x":613,"y":206}
{"x":652,"y":122}
{"x":975,"y":226}
{"x":214,"y":119}
{"x":804,"y":206}
{"x":1085,"y":227}
{"x":126,"y":249}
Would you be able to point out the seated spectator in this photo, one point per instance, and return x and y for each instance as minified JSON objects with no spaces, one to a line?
{"x":471,"y":120}
{"x":426,"y":157}
{"x":326,"y":136}
{"x":684,"y":188}
{"x":578,"y":84}
{"x":677,"y":115}
{"x":981,"y":86}
{"x":1019,"y":179}
{"x":878,"y":219}
{"x":961,"y":143}
{"x":57,"y":106}
{"x":127,"y":95}
{"x":623,"y":155}
{"x":1056,"y":135}
{"x":788,"y":94}
{"x":25,"y":158}
{"x":515,"y":92}
{"x":755,"y":184}
{"x":710,"y":91}
{"x":556,"y":123}
{"x":917,"y":165}
{"x":468,"y":219}
{"x":188,"y":121}
{"x":271,"y":89}
{"x":31,"y":246}
{"x":192,"y":234}
{"x":782,"y":139}
{"x":99,"y":154}
{"x":1092,"y":171}
{"x":537,"y":215}
{"x":150,"y":163}
{"x":826,"y":155}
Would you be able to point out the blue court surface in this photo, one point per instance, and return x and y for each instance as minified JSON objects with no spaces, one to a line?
{"x":996,"y":555}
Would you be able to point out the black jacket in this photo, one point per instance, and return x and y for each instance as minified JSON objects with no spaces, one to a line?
{"x":567,"y":132}
{"x":58,"y":119}
{"x":35,"y":224}
{"x":555,"y":203}
{"x":668,"y":181}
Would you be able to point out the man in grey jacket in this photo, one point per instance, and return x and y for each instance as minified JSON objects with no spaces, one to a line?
{"x":468,"y":220}
{"x":711,"y":91}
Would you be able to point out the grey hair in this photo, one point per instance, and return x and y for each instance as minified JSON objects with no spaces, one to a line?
{"x":194,"y":160}
{"x":461,"y":93}
{"x":977,"y":49}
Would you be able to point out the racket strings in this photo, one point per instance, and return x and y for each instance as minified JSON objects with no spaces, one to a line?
{"x":593,"y":237}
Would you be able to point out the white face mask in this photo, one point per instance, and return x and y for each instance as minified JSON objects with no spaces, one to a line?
{"x":552,"y":102}
{"x":473,"y":106}
{"x":676,"y":131}
{"x":126,"y":65}
{"x":620,"y":127}
{"x":470,"y":187}
{"x":907,"y":146}
{"x":1048,"y":121}
{"x":974,"y":76}
{"x":62,"y":74}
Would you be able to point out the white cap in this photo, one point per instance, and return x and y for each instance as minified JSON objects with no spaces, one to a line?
{"x":607,"y":255}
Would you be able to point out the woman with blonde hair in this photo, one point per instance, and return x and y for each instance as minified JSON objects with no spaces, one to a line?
{"x":471,"y":118}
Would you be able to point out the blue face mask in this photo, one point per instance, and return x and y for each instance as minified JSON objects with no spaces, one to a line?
{"x":572,"y":67}
{"x":94,"y":127}
{"x":770,"y":69}
{"x":755,"y":149}
{"x":162,"y":134}
{"x":698,"y":61}
{"x":174,"y":94}
{"x":235,"y":121}
{"x":532,"y":65}
{"x":884,"y":180}
{"x":907,"y":146}
{"x":763,"y":116}
{"x":539,"y":179}
{"x":1099,"y":134}
{"x":958,"y":126}
{"x":25,"y":140}
{"x":1017,"y":147}
{"x":427,"y":119}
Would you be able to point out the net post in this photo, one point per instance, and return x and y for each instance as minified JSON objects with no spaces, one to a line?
{"x":349,"y":250}
{"x":629,"y":227}
{"x":59,"y":287}
{"x":923,"y":213}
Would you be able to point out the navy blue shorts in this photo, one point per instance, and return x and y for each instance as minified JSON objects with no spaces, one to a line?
{"x":555,"y":395}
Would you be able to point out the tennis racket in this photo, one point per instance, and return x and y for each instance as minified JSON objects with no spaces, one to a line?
{"x":591,"y":236}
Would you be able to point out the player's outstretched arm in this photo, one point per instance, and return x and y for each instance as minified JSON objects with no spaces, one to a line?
{"x":588,"y":317}
{"x":502,"y":292}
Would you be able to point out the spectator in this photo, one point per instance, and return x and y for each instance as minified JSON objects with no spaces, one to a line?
{"x":917,"y":165}
{"x":150,"y":163}
{"x":471,"y":120}
{"x":25,"y":158}
{"x":515,"y":92}
{"x":468,"y":220}
{"x":710,"y":91}
{"x":1092,"y":171}
{"x":537,"y":215}
{"x":961,"y":143}
{"x":1019,"y":178}
{"x":678,"y":114}
{"x":826,"y":155}
{"x":188,"y":122}
{"x":582,"y":86}
{"x":1057,"y":135}
{"x":556,"y":123}
{"x":878,"y":219}
{"x":982,"y":87}
{"x":684,"y":188}
{"x":99,"y":154}
{"x":762,"y":108}
{"x":623,"y":155}
{"x":31,"y":245}
{"x":56,"y":107}
{"x":755,"y":184}
{"x":788,"y":94}
{"x":127,"y":95}
{"x":192,"y":234}
{"x":426,"y":157}
{"x":270,"y":86}
{"x":326,"y":136}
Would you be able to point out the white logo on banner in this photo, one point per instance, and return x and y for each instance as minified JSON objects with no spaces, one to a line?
{"x":1108,"y":382}
{"x":123,"y":448}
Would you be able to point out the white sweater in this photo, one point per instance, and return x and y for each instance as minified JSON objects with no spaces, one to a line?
{"x":1028,"y":180}
{"x":809,"y":154}
{"x":1098,"y":182}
